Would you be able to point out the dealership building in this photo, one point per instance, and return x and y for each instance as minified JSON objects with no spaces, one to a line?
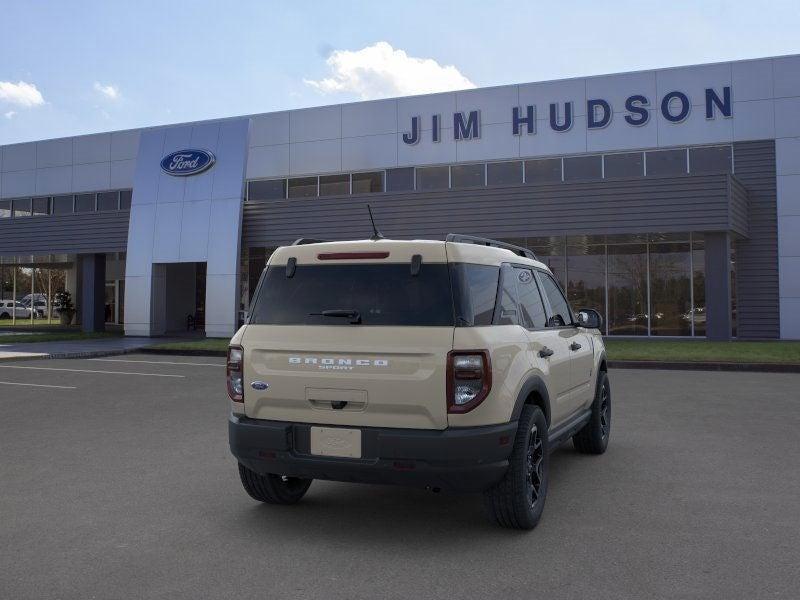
{"x":668,"y":200}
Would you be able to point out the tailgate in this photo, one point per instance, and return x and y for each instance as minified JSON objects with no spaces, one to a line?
{"x":358,"y":375}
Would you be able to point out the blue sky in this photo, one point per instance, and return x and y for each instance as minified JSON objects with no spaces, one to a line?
{"x":69,"y":68}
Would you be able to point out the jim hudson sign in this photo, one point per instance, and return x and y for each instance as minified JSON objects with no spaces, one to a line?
{"x":674,"y":106}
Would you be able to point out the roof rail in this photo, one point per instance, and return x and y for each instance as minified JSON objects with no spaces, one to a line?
{"x":304,"y":241}
{"x":471,"y":239}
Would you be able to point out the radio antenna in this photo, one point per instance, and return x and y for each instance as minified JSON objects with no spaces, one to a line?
{"x":376,"y":235}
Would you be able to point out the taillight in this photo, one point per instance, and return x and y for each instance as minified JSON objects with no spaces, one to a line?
{"x":234,"y":373}
{"x":469,"y":379}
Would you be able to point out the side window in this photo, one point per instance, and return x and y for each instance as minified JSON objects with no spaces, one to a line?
{"x":506,"y":310}
{"x":530,"y":301}
{"x":561,"y":313}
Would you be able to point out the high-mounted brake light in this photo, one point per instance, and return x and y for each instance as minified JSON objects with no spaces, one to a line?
{"x":351,"y":255}
{"x":234,"y":373}
{"x":469,"y":379}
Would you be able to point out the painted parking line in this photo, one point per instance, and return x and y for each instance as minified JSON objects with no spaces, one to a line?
{"x":41,"y":385}
{"x":158,"y":362}
{"x":91,"y":371}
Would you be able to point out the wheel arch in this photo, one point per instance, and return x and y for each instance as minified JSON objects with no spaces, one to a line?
{"x":533,"y":391}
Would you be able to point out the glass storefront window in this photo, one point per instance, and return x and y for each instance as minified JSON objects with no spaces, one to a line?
{"x":547,"y":170}
{"x":368,"y":183}
{"x":270,"y":189}
{"x":665,"y":162}
{"x":85,"y":203}
{"x":108,"y":201}
{"x":504,"y":173}
{"x":400,"y":180}
{"x":629,"y":164}
{"x":433,"y":178}
{"x":5,"y":209}
{"x":552,"y":252}
{"x":22,"y":207}
{"x":699,"y":284}
{"x":303,"y":187}
{"x":62,"y":205}
{"x":334,"y":185}
{"x":670,"y":293}
{"x":734,"y":311}
{"x":582,"y":168}
{"x":125,"y":197}
{"x":627,"y":289}
{"x":586,"y":274}
{"x":468,"y":175}
{"x":711,"y":159}
{"x":41,"y":206}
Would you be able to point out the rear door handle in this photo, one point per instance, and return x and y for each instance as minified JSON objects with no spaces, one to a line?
{"x":574,"y":346}
{"x":545,"y":352}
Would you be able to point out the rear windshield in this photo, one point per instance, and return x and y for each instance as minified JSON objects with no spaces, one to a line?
{"x":381,"y":294}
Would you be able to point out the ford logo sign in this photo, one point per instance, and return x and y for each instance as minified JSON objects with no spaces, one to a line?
{"x":187,"y":162}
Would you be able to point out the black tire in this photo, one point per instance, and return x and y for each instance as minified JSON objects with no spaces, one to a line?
{"x":5,"y":315}
{"x":593,"y":438}
{"x":517,"y":501}
{"x":273,"y":489}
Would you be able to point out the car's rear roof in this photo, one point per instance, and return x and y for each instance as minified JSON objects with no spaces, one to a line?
{"x":397,"y":251}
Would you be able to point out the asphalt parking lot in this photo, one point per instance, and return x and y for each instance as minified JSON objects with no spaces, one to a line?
{"x":116,"y":482}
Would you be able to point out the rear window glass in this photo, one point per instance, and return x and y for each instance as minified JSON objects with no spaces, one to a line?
{"x":382,"y":294}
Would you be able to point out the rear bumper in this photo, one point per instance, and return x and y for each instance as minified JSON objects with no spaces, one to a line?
{"x":468,"y":459}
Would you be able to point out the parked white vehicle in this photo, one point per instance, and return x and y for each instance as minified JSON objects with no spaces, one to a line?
{"x":12,"y":308}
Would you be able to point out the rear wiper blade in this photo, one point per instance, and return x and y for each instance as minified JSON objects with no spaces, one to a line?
{"x":353,"y":315}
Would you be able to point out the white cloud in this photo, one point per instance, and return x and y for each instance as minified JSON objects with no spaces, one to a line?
{"x":20,"y":93}
{"x":380,"y":71}
{"x":109,"y":91}
{"x":10,"y":114}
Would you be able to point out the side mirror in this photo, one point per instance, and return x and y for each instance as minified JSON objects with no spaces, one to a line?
{"x":590,"y":319}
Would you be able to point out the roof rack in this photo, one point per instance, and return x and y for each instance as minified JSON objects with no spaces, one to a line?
{"x":471,"y":239}
{"x":304,"y":241}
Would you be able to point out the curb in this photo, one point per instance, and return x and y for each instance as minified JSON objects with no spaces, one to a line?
{"x":220,"y":353}
{"x":61,"y":355}
{"x":705,"y":366}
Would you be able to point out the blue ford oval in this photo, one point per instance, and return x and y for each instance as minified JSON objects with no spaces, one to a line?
{"x":187,"y":162}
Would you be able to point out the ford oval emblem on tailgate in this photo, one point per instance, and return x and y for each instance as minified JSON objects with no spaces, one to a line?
{"x":259,"y":385}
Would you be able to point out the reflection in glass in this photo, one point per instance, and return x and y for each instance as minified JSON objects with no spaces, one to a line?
{"x":504,"y":173}
{"x":734,"y":309}
{"x":433,"y":178}
{"x":586,"y":274}
{"x":367,"y":183}
{"x":551,"y":251}
{"x":468,"y":175}
{"x":699,"y":285}
{"x":670,"y":295}
{"x":627,"y":289}
{"x":334,"y":185}
{"x":303,"y":187}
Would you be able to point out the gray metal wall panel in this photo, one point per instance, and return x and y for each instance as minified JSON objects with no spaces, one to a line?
{"x":697,"y":203}
{"x":739,"y":207}
{"x":757,"y":257}
{"x":56,"y":234}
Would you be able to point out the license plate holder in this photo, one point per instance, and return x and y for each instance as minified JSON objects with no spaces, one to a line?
{"x":336,"y":441}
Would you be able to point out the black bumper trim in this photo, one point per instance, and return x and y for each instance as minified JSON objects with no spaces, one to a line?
{"x":465,"y":459}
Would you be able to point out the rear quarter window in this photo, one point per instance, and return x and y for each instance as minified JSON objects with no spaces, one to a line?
{"x":474,"y":293}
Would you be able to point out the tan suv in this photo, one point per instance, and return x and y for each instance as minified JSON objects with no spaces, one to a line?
{"x":454,"y":365}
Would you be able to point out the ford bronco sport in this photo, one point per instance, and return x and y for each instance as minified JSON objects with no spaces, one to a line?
{"x":454,"y":365}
